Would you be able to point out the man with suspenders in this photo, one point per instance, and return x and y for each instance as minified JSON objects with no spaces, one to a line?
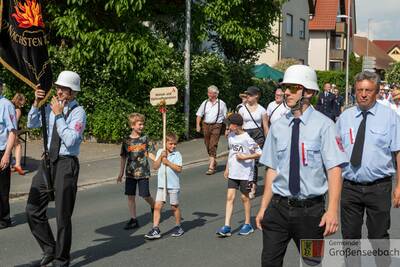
{"x":66,"y":123}
{"x":213,"y":112}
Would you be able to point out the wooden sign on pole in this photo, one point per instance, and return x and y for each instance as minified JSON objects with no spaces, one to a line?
{"x":162,"y":97}
{"x":167,"y":94}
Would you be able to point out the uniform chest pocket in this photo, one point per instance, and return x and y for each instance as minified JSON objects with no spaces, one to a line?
{"x":380,"y":137}
{"x":313,"y":153}
{"x":281,"y":151}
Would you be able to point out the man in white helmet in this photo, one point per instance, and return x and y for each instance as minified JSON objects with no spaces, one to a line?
{"x":66,"y":123}
{"x":299,"y":147}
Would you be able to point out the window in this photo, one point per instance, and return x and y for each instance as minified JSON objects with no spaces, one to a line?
{"x":336,"y":41}
{"x":335,"y":65}
{"x":302,"y":29}
{"x":395,"y":52}
{"x":289,"y":24}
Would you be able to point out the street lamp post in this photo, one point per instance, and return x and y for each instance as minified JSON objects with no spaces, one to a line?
{"x":347,"y":17}
{"x":187,"y":68}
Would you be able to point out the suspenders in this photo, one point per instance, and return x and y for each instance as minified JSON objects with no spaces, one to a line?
{"x":204,"y":111}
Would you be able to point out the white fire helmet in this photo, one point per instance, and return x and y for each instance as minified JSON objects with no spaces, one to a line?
{"x":302,"y":75}
{"x":69,"y":79}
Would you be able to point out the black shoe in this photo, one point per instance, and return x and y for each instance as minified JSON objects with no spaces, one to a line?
{"x":42,"y":262}
{"x":5,"y":224}
{"x":131,"y":224}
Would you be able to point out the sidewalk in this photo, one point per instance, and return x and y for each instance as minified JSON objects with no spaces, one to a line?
{"x":100,"y":162}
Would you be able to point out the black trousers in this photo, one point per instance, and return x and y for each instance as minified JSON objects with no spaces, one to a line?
{"x":66,"y":171}
{"x":375,"y":200}
{"x":283,"y":222}
{"x":5,"y":181}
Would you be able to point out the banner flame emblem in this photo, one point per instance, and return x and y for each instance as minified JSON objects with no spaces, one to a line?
{"x":28,"y":15}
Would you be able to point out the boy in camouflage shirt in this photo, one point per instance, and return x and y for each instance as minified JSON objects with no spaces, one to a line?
{"x":135,"y":152}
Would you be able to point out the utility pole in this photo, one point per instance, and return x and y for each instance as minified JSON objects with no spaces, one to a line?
{"x":369,"y":20}
{"x":187,"y":68}
{"x":348,"y":53}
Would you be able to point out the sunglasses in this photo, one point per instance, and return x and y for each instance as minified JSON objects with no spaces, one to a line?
{"x":293,"y":88}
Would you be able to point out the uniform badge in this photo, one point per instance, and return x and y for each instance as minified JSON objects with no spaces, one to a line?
{"x":78,"y":126}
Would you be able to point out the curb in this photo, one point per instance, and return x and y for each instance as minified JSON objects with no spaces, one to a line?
{"x":186,"y":165}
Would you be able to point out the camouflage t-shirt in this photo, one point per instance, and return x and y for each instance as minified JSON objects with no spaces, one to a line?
{"x":136,"y":151}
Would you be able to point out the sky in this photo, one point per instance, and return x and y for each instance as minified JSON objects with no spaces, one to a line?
{"x":385,"y":15}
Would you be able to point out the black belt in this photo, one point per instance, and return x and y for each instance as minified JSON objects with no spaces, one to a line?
{"x":299,"y":203}
{"x":67,"y":157}
{"x":378,"y":181}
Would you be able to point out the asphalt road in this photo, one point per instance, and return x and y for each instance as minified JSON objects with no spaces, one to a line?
{"x":99,"y":240}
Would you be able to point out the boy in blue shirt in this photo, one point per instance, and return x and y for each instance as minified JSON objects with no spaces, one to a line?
{"x":172,"y":159}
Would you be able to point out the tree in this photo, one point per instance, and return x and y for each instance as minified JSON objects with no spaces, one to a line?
{"x":239,"y":28}
{"x":285,"y":63}
{"x":122,"y":49}
{"x":393,"y":73}
{"x":355,"y":66}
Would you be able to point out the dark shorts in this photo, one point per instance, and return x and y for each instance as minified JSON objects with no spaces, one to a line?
{"x":131,"y":184}
{"x":239,"y":184}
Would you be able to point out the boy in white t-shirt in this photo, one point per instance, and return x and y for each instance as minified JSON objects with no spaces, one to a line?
{"x":171,"y":159}
{"x":243,"y":151}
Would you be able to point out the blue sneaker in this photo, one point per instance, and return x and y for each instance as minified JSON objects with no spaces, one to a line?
{"x":224,"y":231}
{"x":246,"y":229}
{"x":154,"y":233}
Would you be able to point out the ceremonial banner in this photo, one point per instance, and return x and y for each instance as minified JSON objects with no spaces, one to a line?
{"x":23,"y":44}
{"x":23,"y":51}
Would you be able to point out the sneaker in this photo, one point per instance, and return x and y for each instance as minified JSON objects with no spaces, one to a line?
{"x":154,"y":233}
{"x":224,"y":231}
{"x":131,"y":224}
{"x":178,"y":231}
{"x":246,"y":229}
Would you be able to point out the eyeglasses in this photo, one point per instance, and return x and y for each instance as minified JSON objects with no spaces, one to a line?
{"x":293,"y":88}
{"x":279,"y":94}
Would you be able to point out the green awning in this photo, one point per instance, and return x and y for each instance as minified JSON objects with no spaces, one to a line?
{"x":263,"y":71}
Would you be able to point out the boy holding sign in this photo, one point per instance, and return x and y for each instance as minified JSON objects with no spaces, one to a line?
{"x":172,"y":160}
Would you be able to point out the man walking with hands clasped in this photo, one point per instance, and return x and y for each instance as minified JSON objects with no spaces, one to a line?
{"x":66,"y":123}
{"x":371,"y":136}
{"x":299,"y":148}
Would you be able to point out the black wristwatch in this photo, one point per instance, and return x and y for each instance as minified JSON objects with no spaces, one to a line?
{"x":58,"y":116}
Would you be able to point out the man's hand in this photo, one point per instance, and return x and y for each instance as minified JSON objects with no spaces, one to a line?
{"x":396,"y":197}
{"x":240,"y":156}
{"x":330,"y":221}
{"x":198,"y":128}
{"x":39,"y":95}
{"x":5,"y":161}
{"x":259,"y":218}
{"x":56,"y":106}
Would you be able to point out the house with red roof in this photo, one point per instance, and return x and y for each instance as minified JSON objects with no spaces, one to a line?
{"x":363,"y":47}
{"x":328,"y":34}
{"x":391,"y":48}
